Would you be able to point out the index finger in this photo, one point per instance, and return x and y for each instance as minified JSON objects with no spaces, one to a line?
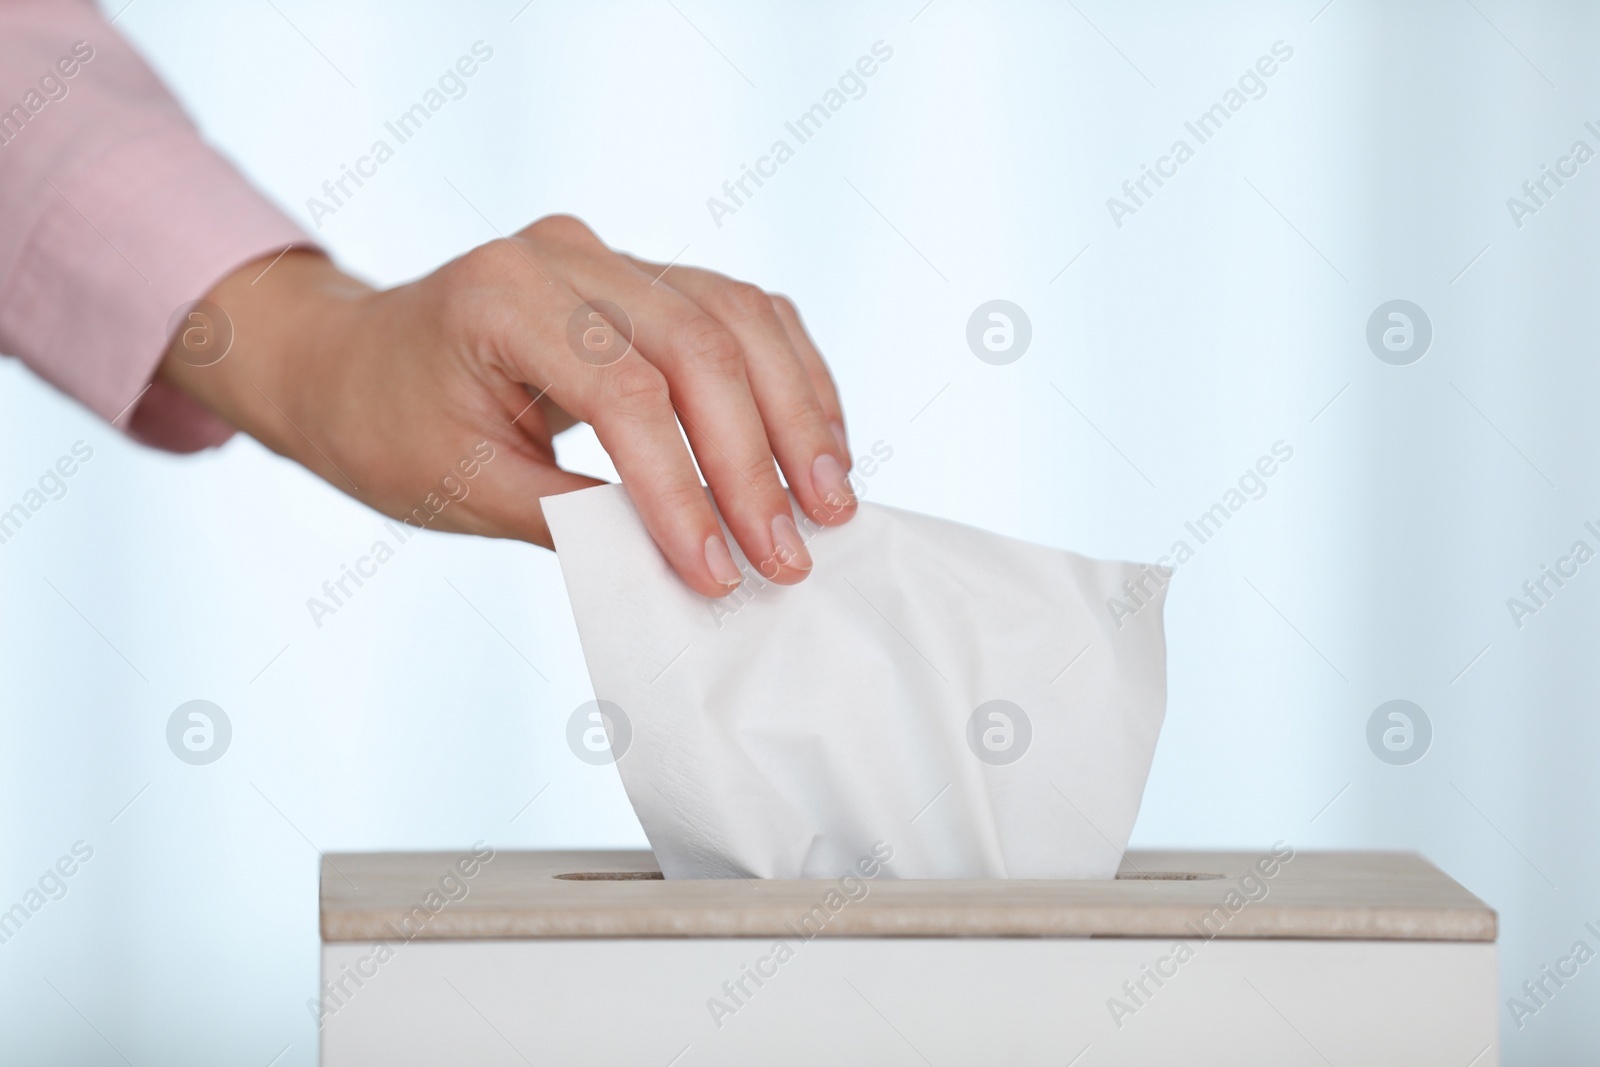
{"x":627,"y":403}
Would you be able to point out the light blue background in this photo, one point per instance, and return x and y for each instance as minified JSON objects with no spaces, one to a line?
{"x":1224,"y":316}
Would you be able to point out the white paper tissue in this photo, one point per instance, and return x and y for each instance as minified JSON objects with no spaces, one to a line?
{"x":974,"y":701}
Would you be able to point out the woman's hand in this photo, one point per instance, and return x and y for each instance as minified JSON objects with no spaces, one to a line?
{"x":383,"y":393}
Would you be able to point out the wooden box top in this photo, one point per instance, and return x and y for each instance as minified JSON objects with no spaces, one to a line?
{"x":487,"y":894}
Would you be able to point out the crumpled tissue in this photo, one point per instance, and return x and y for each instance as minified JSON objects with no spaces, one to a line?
{"x":986,"y":707}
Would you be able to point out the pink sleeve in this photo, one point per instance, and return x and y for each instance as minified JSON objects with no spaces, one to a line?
{"x":113,"y":214}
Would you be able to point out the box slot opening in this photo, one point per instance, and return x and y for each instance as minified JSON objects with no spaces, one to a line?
{"x":656,"y":876}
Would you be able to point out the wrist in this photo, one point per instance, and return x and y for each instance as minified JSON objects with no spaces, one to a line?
{"x":244,"y":352}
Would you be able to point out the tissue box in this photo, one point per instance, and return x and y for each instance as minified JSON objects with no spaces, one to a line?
{"x":1277,"y":957}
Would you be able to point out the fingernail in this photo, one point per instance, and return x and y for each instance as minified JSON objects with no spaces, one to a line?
{"x":829,"y":482}
{"x":790,"y":550}
{"x":719,"y":561}
{"x":838,"y":435}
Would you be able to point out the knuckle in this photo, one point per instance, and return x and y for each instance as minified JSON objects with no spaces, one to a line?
{"x":762,"y":471}
{"x":564,"y":229}
{"x":709,"y":346}
{"x":489,"y":265}
{"x":741,"y":302}
{"x":485,"y":278}
{"x":804,"y":419}
{"x":637,"y":389}
{"x":681,"y":496}
{"x":783,"y":306}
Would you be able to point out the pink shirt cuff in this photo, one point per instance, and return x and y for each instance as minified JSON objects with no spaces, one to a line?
{"x":153,"y":224}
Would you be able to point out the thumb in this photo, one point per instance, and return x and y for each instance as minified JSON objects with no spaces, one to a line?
{"x":505,"y":498}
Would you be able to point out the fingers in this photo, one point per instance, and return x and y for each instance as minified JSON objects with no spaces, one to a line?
{"x":507,"y":497}
{"x":628,"y":404}
{"x":816,"y":368}
{"x":811,"y":454}
{"x":707,"y":383}
{"x":729,"y":363}
{"x":556,"y":418}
